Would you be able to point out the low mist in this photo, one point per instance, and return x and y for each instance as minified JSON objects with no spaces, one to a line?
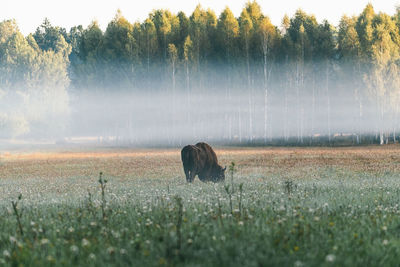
{"x":175,"y":79}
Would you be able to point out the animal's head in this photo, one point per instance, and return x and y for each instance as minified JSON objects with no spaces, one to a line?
{"x":220,"y":174}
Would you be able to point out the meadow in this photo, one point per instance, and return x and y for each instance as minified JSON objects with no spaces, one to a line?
{"x":277,"y":206}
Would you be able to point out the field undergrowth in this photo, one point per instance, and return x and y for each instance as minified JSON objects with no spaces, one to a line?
{"x":288,"y":207}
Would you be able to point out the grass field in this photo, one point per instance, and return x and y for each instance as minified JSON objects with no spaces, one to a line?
{"x":284,"y":206}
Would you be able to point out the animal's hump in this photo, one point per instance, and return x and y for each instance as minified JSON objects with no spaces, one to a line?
{"x":203,"y":145}
{"x":189,"y":148}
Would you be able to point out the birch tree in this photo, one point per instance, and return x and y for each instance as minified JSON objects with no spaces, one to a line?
{"x":246,"y":27}
{"x":268,"y":34}
{"x":384,"y":71}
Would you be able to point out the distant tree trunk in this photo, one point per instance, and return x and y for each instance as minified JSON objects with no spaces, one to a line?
{"x":359,"y":100}
{"x":250,"y":92}
{"x":287,"y":84}
{"x":148,"y":57}
{"x":266,"y":78}
{"x":228,"y":92}
{"x":173,"y":102}
{"x":240,"y":124}
{"x":328,"y":101}
{"x":265,"y":98}
{"x":313,"y":109}
{"x":298,"y":101}
{"x":188,"y":96}
{"x":395,"y":118}
{"x":381,"y":131}
{"x":360,"y":114}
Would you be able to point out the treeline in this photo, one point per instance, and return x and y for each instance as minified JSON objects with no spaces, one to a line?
{"x":300,"y":79}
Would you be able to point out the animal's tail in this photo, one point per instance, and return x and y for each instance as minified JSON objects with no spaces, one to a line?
{"x":185,"y":154}
{"x":188,"y":156}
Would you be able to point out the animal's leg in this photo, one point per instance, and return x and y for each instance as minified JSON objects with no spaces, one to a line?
{"x":187,"y":173}
{"x":192,"y":175}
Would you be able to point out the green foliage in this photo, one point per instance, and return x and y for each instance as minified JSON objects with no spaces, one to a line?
{"x":35,"y":79}
{"x":339,"y":217}
{"x":363,"y":51}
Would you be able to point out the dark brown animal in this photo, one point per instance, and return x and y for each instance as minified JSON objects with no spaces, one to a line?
{"x":201,"y":160}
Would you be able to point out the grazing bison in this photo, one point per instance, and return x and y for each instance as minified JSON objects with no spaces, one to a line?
{"x":201,"y":160}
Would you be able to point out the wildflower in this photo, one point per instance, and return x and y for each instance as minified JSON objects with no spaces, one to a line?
{"x":384,"y":228}
{"x":92,"y":256}
{"x":74,"y":249}
{"x":93,"y":223}
{"x":316,"y":218}
{"x":71,"y":229}
{"x":13,"y":239}
{"x":85,"y":242}
{"x":385,"y":242}
{"x":189,"y":241}
{"x":6,"y":254}
{"x":50,"y":258}
{"x":240,"y":223}
{"x":296,"y":248}
{"x":330,"y":258}
{"x":122,"y":251}
{"x":44,"y":241}
{"x":298,"y":264}
{"x":162,"y":261}
{"x":110,"y":250}
{"x":331,"y":224}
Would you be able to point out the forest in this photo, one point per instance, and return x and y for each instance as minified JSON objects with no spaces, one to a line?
{"x":174,"y":78}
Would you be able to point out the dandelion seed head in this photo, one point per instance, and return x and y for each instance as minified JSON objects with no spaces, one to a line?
{"x":6,"y":254}
{"x":74,"y":249}
{"x":330,"y":258}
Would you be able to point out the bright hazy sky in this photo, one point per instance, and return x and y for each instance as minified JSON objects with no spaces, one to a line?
{"x":30,"y":13}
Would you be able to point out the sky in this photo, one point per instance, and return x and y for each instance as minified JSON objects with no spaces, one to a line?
{"x":30,"y":14}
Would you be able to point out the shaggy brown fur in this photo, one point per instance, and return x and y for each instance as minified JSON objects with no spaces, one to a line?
{"x":201,"y":160}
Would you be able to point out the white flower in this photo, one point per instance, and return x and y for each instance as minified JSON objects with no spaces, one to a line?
{"x":13,"y":239}
{"x":385,"y":242}
{"x":44,"y":241}
{"x":85,"y":242}
{"x":92,"y":256}
{"x":384,"y":228}
{"x":71,"y":229}
{"x":122,"y":251}
{"x":74,"y":249}
{"x":6,"y":254}
{"x":110,"y":250}
{"x":330,"y":258}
